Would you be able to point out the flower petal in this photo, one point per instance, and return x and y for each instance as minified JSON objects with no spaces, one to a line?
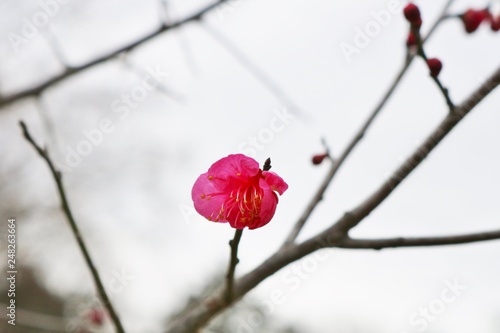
{"x":236,"y":165}
{"x":267,"y":209}
{"x":275,"y":182}
{"x":207,"y":200}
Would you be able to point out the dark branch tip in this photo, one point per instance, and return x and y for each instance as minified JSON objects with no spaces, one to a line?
{"x":23,"y":127}
{"x":267,"y":164}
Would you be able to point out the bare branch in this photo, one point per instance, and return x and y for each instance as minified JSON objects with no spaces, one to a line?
{"x":337,"y":163}
{"x":445,"y":92}
{"x":68,"y":72}
{"x":351,"y":219}
{"x":378,"y":244}
{"x":74,"y":228}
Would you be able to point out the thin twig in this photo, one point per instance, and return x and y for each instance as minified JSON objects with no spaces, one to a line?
{"x":338,"y":162}
{"x":70,"y":71}
{"x":74,"y":228}
{"x":161,"y":87}
{"x":189,"y":59}
{"x":378,"y":244}
{"x":423,"y":55}
{"x":233,"y":261}
{"x":55,"y":46}
{"x":257,"y":72}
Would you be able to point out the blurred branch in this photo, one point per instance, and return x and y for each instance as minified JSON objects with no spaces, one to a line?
{"x":255,"y":70}
{"x":55,"y":46}
{"x":336,"y":235}
{"x":162,"y":88}
{"x":378,"y":244}
{"x":39,"y":321}
{"x":166,"y":9}
{"x":233,"y":261}
{"x":74,"y":228}
{"x":72,"y":70}
{"x":338,"y":162}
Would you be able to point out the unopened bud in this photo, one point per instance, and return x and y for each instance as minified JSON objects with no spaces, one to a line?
{"x":411,"y":40}
{"x":412,"y":14}
{"x":435,"y":66}
{"x":317,"y":159}
{"x":472,"y":19}
{"x":495,"y":23}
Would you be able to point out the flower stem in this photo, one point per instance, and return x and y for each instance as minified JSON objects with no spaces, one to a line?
{"x":233,"y":261}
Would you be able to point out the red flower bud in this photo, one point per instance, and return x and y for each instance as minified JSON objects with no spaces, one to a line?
{"x":411,"y":40}
{"x":495,"y":23}
{"x":435,"y":66}
{"x":412,"y":13}
{"x":317,"y":159}
{"x":472,"y":19}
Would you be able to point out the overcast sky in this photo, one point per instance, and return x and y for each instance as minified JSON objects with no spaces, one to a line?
{"x":131,"y":193}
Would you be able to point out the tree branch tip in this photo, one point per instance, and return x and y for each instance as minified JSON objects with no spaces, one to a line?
{"x":325,"y":145}
{"x":23,"y":126}
{"x":267,"y":164}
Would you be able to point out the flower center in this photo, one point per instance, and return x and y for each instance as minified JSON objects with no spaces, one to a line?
{"x":243,"y":205}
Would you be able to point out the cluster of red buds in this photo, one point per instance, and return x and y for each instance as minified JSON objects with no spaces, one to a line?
{"x":412,"y":15}
{"x":473,"y":18}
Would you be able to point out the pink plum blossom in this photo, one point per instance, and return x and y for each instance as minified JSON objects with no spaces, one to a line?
{"x":237,"y":191}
